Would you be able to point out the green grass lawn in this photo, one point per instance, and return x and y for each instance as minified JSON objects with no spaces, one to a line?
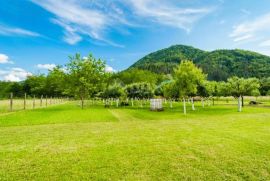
{"x":66,"y":143}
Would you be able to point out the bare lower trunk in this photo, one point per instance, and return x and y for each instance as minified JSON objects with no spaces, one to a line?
{"x":202,"y":102}
{"x":184,"y":104}
{"x":242,"y":101}
{"x":192,"y":102}
{"x":171,"y":103}
{"x":239,"y":104}
{"x":82,"y":102}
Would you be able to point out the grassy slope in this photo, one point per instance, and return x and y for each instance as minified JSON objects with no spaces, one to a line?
{"x":64,"y":142}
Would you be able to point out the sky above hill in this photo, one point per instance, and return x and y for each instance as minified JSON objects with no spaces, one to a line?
{"x":36,"y":35}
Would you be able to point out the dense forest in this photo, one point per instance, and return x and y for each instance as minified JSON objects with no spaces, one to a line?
{"x":219,"y":65}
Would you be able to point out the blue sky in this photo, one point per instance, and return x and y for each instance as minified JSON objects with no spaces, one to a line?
{"x":36,"y":35}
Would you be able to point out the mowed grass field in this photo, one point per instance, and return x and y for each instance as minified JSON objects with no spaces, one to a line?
{"x":63,"y":142}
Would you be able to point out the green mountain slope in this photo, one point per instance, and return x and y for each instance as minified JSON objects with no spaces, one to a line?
{"x":219,"y":64}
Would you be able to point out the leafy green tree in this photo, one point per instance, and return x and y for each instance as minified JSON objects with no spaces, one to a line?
{"x":85,"y":76}
{"x":139,"y":90}
{"x":36,"y":85}
{"x":17,"y":89}
{"x":223,"y":89}
{"x":131,"y":76}
{"x":4,"y":89}
{"x":207,"y":89}
{"x":170,"y":91}
{"x":114,"y":91}
{"x":240,"y":87}
{"x":187,"y":79}
{"x":56,"y":82}
{"x":265,"y":86}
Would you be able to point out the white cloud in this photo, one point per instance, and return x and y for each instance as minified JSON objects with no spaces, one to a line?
{"x":46,"y":66}
{"x":14,"y":31}
{"x":169,"y":14}
{"x":77,"y":19}
{"x":251,"y":30}
{"x":14,"y":74}
{"x":95,"y":18}
{"x":109,"y":69}
{"x":4,"y":59}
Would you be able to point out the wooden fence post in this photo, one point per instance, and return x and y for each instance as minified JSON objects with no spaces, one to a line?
{"x":11,"y":101}
{"x":24,"y":102}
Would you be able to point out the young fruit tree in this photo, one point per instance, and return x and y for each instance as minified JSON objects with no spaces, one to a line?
{"x":187,"y":78}
{"x":240,"y":87}
{"x":114,"y":91}
{"x":85,"y":76}
{"x":170,"y":91}
{"x":206,"y":90}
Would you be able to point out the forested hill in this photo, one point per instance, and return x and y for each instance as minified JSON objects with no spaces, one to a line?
{"x":218,"y":64}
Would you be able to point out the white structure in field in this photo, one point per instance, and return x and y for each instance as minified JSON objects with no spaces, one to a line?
{"x":156,"y":104}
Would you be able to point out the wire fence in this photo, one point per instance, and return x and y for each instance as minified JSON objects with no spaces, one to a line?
{"x":171,"y":103}
{"x":11,"y":104}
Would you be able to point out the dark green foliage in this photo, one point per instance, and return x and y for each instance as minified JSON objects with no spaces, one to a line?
{"x":139,"y":90}
{"x":219,"y":64}
{"x":114,"y":91}
{"x":222,"y":64}
{"x":56,"y":82}
{"x":171,"y":90}
{"x":4,"y":89}
{"x":164,"y":61}
{"x":131,"y":76}
{"x":36,"y":85}
{"x":265,"y":86}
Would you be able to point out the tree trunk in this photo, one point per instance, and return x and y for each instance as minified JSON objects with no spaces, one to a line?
{"x":242,"y":101}
{"x":171,"y":103}
{"x":46,"y":101}
{"x":193,"y":106}
{"x":202,"y":102}
{"x":213,"y":101}
{"x":24,"y":102}
{"x":239,"y":104}
{"x":184,"y":104}
{"x":82,"y":102}
{"x":41,"y":97}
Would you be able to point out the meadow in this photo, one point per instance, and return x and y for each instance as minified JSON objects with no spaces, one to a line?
{"x":64,"y":142}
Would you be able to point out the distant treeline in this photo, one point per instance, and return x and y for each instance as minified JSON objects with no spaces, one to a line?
{"x":83,"y":78}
